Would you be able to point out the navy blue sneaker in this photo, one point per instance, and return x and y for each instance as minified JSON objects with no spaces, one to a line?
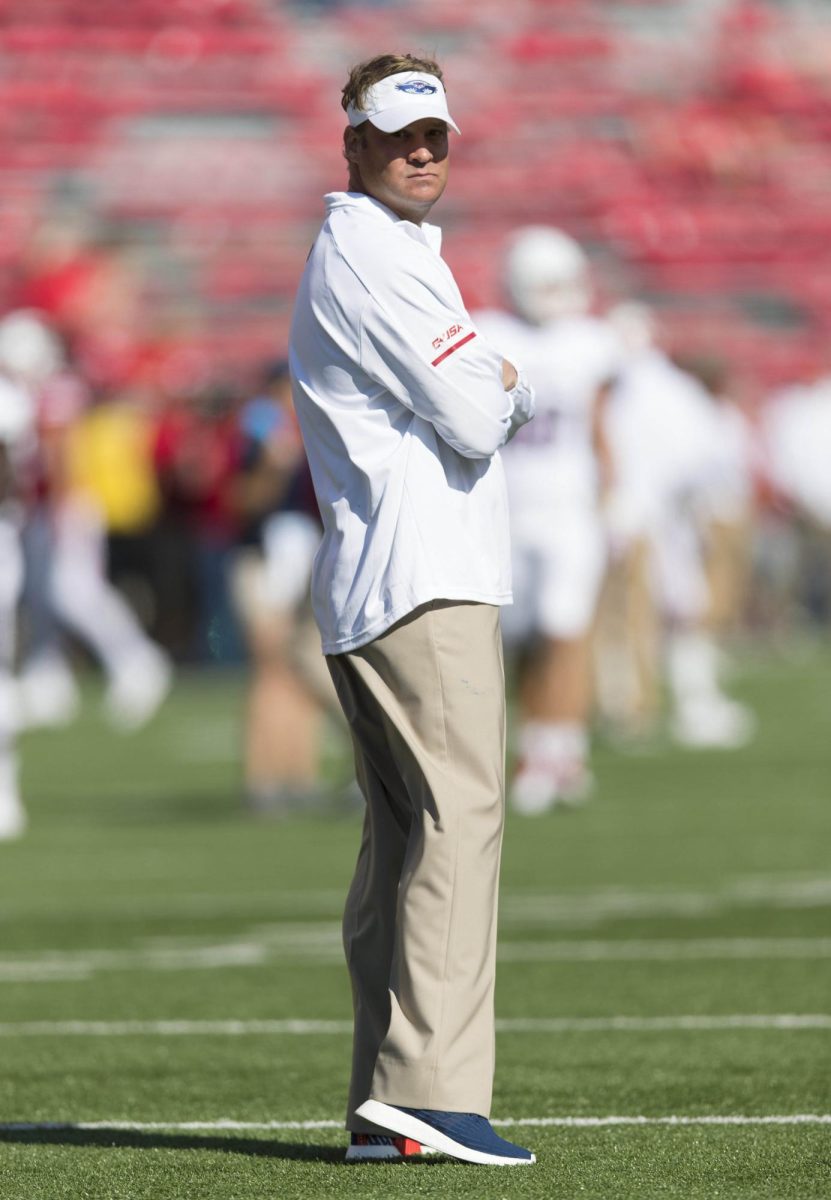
{"x":462,"y":1135}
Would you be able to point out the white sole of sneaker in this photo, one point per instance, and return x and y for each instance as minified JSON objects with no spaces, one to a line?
{"x":373,"y":1154}
{"x":385,"y":1153}
{"x":400,"y":1122}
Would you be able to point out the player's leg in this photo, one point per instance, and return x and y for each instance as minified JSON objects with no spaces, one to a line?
{"x":48,"y":692}
{"x":727,"y":565}
{"x":281,"y":742}
{"x":626,"y":647}
{"x":556,"y":692}
{"x":702,"y":714}
{"x":290,"y":542}
{"x":138,"y":672}
{"x":309,"y":663}
{"x":643,"y":623}
{"x":12,"y":815}
{"x":553,"y":739}
{"x":557,"y":687}
{"x":281,"y":732}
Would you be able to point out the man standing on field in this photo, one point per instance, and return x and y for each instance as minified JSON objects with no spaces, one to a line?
{"x":403,"y":406}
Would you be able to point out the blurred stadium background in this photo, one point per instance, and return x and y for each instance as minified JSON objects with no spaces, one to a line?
{"x":162,"y":164}
{"x":171,"y":156}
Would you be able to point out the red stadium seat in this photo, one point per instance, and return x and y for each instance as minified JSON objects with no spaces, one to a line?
{"x":207,"y":131}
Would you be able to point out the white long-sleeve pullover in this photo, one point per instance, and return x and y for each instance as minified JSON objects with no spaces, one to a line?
{"x":402,"y":409}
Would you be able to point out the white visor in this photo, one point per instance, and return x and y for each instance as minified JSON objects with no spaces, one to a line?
{"x":401,"y":99}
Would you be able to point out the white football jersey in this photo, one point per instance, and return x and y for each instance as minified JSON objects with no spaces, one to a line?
{"x":551,"y":461}
{"x":734,"y":454}
{"x":796,"y":431}
{"x":17,"y":432}
{"x":663,"y":430}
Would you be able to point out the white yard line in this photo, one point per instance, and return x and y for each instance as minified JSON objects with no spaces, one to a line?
{"x":58,"y":964}
{"x":664,"y":949}
{"x":229,"y":1028}
{"x":695,"y":1023}
{"x":729,"y":1119}
{"x":296,"y":1027}
{"x":516,"y":907}
{"x":319,"y":944}
{"x":228,"y":1126}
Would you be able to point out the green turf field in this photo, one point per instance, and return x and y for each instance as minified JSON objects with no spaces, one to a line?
{"x":173,"y":1002}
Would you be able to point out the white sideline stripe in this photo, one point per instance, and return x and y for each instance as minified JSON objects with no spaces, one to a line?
{"x":296,"y":1027}
{"x":223,"y":1126}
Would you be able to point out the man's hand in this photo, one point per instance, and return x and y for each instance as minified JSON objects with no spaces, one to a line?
{"x":509,"y":375}
{"x":522,"y":395}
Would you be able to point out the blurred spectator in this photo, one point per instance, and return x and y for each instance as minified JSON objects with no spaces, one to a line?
{"x":290,"y":686}
{"x":197,"y":452}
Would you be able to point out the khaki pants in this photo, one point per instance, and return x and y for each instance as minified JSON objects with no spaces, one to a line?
{"x":425,"y":704}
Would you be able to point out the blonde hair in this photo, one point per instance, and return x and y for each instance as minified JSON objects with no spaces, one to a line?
{"x":363,"y":76}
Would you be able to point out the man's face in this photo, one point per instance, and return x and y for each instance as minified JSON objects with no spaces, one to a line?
{"x":405,"y":170}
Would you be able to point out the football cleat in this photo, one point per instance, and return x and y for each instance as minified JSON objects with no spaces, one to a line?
{"x":12,"y":817}
{"x":138,"y":689}
{"x":12,"y":813}
{"x":533,"y":790}
{"x":538,"y":787}
{"x":720,"y":724}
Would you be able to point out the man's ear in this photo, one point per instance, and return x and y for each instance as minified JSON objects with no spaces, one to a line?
{"x":350,"y":144}
{"x":351,"y":141}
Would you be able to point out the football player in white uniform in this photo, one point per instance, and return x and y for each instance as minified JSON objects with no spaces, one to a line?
{"x":665,"y":436}
{"x":557,"y":469}
{"x":64,"y":540}
{"x":795,"y":444}
{"x":727,"y":509}
{"x":796,"y":437}
{"x":16,"y":422}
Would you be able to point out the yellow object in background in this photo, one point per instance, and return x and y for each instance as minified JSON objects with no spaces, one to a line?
{"x":110,"y":461}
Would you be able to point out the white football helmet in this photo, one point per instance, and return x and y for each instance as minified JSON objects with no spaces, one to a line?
{"x":29,"y":350}
{"x":546,"y":275}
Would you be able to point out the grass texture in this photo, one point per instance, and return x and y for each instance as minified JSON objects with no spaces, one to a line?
{"x":665,"y":953}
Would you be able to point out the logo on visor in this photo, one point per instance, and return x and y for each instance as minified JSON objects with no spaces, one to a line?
{"x":417,"y":87}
